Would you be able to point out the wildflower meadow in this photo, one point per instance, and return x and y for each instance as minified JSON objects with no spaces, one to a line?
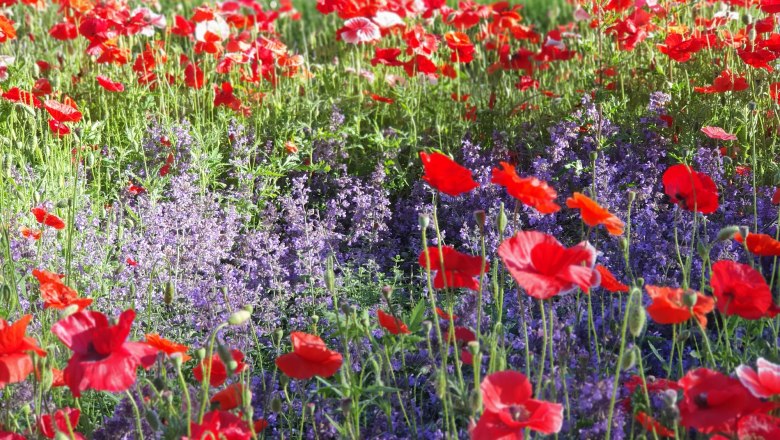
{"x":389,"y":219}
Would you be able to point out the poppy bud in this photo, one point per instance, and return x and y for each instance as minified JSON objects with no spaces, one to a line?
{"x":346,"y":405}
{"x":727,"y":233}
{"x":277,"y":336}
{"x":594,"y":155}
{"x":441,"y":386}
{"x":154,"y":420}
{"x":177,"y":359}
{"x":159,"y":383}
{"x":502,"y":219}
{"x":169,"y":292}
{"x":387,"y":292}
{"x":683,"y":336}
{"x":239,"y":317}
{"x":26,"y":410}
{"x":640,"y":281}
{"x":479,"y":216}
{"x":473,"y":347}
{"x":315,"y":319}
{"x":276,"y":405}
{"x":629,"y":359}
{"x":475,"y":400}
{"x":424,"y":221}
{"x":5,"y":293}
{"x":637,"y":317}
{"x":631,"y":196}
{"x":623,"y":244}
{"x":346,"y":309}
{"x":62,"y":204}
{"x":752,"y":106}
{"x":330,"y":275}
{"x":702,"y":249}
{"x":227,"y":357}
{"x":690,"y":297}
{"x":61,"y":436}
{"x":200,"y":354}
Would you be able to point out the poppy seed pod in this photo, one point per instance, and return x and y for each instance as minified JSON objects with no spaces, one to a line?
{"x":631,"y":196}
{"x":330,"y":275}
{"x":637,"y":317}
{"x":276,"y":404}
{"x":629,"y":358}
{"x":227,"y":358}
{"x":239,"y":317}
{"x":502,"y":219}
{"x":277,"y":336}
{"x":200,"y":354}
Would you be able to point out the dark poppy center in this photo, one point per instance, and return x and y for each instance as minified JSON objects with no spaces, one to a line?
{"x":519,"y":413}
{"x":701,"y":400}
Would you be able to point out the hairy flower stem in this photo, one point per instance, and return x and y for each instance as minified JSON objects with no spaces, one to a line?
{"x":207,"y":372}
{"x":544,"y":347}
{"x":618,"y":367}
{"x":137,"y":414}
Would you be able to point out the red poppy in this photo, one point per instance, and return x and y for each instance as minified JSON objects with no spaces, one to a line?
{"x":7,"y":30}
{"x":420,"y":64}
{"x":193,"y":75}
{"x":774,"y":91}
{"x":387,"y":57}
{"x":726,"y":82}
{"x":444,"y":315}
{"x":758,"y":59}
{"x":544,"y":268}
{"x":461,"y":46}
{"x":14,"y":94}
{"x":770,"y":6}
{"x":391,"y":324}
{"x":61,"y":112}
{"x":740,"y":290}
{"x":776,"y":197}
{"x":464,"y":335}
{"x":380,"y":98}
{"x":224,"y":96}
{"x":102,"y":358}
{"x":310,"y":357}
{"x":608,"y":280}
{"x":509,"y":409}
{"x":57,"y":295}
{"x":593,"y":214}
{"x":758,"y":427}
{"x":15,"y":361}
{"x":45,"y":218}
{"x":26,"y":232}
{"x":63,"y":420}
{"x":679,"y":49}
{"x":220,"y":425}
{"x":135,"y":189}
{"x":259,"y":425}
{"x":459,"y":269}
{"x":668,"y":306}
{"x":64,"y":31}
{"x":693,"y":190}
{"x":443,"y":174}
{"x":718,"y":133}
{"x":762,"y":245}
{"x":765,"y":383}
{"x":229,"y":398}
{"x":108,"y":84}
{"x":182,"y":26}
{"x":359,"y":30}
{"x":529,"y":190}
{"x":167,"y":347}
{"x":219,"y":371}
{"x":41,"y":87}
{"x":713,"y":402}
{"x":652,"y":425}
{"x":58,"y":128}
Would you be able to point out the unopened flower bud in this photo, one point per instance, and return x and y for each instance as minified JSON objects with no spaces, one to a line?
{"x":502,"y":219}
{"x":227,"y":357}
{"x":239,"y":317}
{"x":683,"y":336}
{"x":200,"y":354}
{"x":169,"y":292}
{"x":277,"y":336}
{"x":479,"y":216}
{"x":629,"y":359}
{"x":727,"y":233}
{"x":315,"y":319}
{"x":631,"y":196}
{"x":346,"y":405}
{"x":473,"y":347}
{"x":67,"y":311}
{"x":387,"y":293}
{"x":276,"y":405}
{"x":690,"y":297}
{"x":424,"y":221}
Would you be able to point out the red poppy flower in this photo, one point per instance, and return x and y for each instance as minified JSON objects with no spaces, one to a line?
{"x":459,"y":269}
{"x":678,"y":48}
{"x":593,"y":214}
{"x":762,"y":245}
{"x":45,"y":218}
{"x":529,"y":190}
{"x":391,"y":324}
{"x":712,"y":401}
{"x":167,"y":347}
{"x":182,"y":27}
{"x":608,"y":280}
{"x":359,"y":30}
{"x":15,"y":361}
{"x":229,"y":398}
{"x":61,"y":112}
{"x":420,"y":64}
{"x":668,"y":306}
{"x":740,"y":290}
{"x":58,"y":128}
{"x":7,"y":30}
{"x":310,"y":357}
{"x":544,"y":268}
{"x":652,"y":425}
{"x":770,"y":6}
{"x":26,"y":232}
{"x":387,"y":57}
{"x":692,"y":189}
{"x":219,"y":371}
{"x":759,"y":58}
{"x":108,"y":84}
{"x":765,"y":383}
{"x":220,"y":425}
{"x":776,"y":197}
{"x":63,"y":420}
{"x":443,"y":315}
{"x":464,"y":335}
{"x":5,"y":435}
{"x":135,"y":189}
{"x":64,"y":31}
{"x":718,"y":133}
{"x":510,"y":409}
{"x":259,"y":425}
{"x":759,"y":427}
{"x":41,"y":87}
{"x":726,"y":82}
{"x":443,"y":174}
{"x":102,"y":358}
{"x":14,"y":94}
{"x":57,"y":295}
{"x":193,"y":75}
{"x":380,"y":98}
{"x":224,"y":96}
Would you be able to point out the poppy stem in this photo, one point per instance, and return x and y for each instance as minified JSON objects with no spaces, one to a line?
{"x":187,"y":400}
{"x":137,"y":414}
{"x":618,"y":367}
{"x":544,"y":347}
